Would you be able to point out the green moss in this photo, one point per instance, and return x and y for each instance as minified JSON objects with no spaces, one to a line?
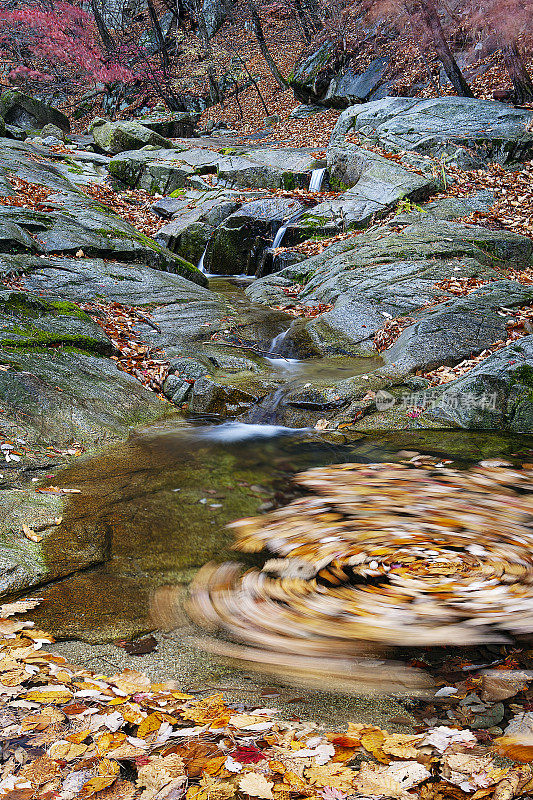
{"x":524,"y":374}
{"x":407,"y":206}
{"x":65,"y":308}
{"x":20,"y":303}
{"x":38,"y":340}
{"x":312,"y":222}
{"x":288,"y":180}
{"x":177,"y":192}
{"x":337,"y":185}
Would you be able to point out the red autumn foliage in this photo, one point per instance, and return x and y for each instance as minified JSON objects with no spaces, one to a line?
{"x":56,"y":44}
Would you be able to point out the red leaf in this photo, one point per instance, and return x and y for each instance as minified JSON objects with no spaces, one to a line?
{"x":247,"y":755}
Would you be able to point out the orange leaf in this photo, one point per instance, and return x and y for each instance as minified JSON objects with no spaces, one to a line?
{"x":213,"y":765}
{"x":149,"y":725}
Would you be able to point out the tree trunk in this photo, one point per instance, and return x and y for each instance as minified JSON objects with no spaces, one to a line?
{"x":158,"y":33}
{"x":522,"y":83}
{"x":214,"y":92}
{"x":105,"y":36}
{"x":306,"y":24}
{"x":259,"y":35}
{"x":430,"y":20}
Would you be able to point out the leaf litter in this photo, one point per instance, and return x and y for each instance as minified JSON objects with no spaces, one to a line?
{"x":72,"y":733}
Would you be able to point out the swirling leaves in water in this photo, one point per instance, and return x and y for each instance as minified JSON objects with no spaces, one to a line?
{"x":376,"y":555}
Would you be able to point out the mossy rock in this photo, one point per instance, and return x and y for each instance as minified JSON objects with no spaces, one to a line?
{"x":28,"y":113}
{"x":116,"y":137}
{"x":30,"y":323}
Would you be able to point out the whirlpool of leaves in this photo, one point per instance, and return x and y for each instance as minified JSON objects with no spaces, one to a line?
{"x":377,"y":556}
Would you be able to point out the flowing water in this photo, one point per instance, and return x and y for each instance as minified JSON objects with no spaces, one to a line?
{"x":201,"y":266}
{"x":161,"y":500}
{"x":317,"y":178}
{"x":155,"y":509}
{"x":160,"y":503}
{"x":315,"y":184}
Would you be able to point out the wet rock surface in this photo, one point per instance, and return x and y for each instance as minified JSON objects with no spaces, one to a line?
{"x":238,"y":244}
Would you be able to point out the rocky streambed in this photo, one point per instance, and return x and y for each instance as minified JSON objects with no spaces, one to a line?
{"x":270,"y":361}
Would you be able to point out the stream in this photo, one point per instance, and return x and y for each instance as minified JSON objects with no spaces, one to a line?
{"x":160,"y":502}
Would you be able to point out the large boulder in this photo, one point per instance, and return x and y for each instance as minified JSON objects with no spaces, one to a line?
{"x":30,"y":322}
{"x":88,"y":229}
{"x":349,"y":87}
{"x":172,"y":125}
{"x":468,"y":131}
{"x":313,"y":73}
{"x":85,"y":279}
{"x":237,"y":246}
{"x":75,"y":223}
{"x":385,"y":274}
{"x":194,"y":216}
{"x":457,"y":329}
{"x":326,"y":78}
{"x":116,"y":137}
{"x":497,"y":394}
{"x":158,"y":171}
{"x":58,"y":383}
{"x":377,"y":185}
{"x":436,"y":248}
{"x":279,"y":168}
{"x":215,"y":13}
{"x":163,"y":171}
{"x":28,"y":113}
{"x":25,"y":563}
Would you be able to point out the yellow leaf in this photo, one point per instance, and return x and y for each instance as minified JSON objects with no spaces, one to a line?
{"x":372,"y":741}
{"x":96,"y":784}
{"x":55,"y":696}
{"x":335,"y":775}
{"x":401,"y":745}
{"x":294,"y":781}
{"x":393,"y":780}
{"x":149,"y":725}
{"x":213,"y":765}
{"x":256,"y":785}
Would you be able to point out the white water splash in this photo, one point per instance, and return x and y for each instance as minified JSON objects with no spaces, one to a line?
{"x":279,"y":236}
{"x":277,"y":340}
{"x":241,"y":431}
{"x":317,"y":178}
{"x":283,"y":363}
{"x":201,"y":262}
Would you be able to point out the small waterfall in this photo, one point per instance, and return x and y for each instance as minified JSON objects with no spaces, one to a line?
{"x":201,"y":262}
{"x":276,"y":341}
{"x":283,"y":228}
{"x":317,"y":178}
{"x":279,"y":236}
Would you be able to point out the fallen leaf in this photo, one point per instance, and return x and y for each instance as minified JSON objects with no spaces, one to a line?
{"x":30,"y":534}
{"x":392,"y":780}
{"x":335,"y":775}
{"x":256,"y":785}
